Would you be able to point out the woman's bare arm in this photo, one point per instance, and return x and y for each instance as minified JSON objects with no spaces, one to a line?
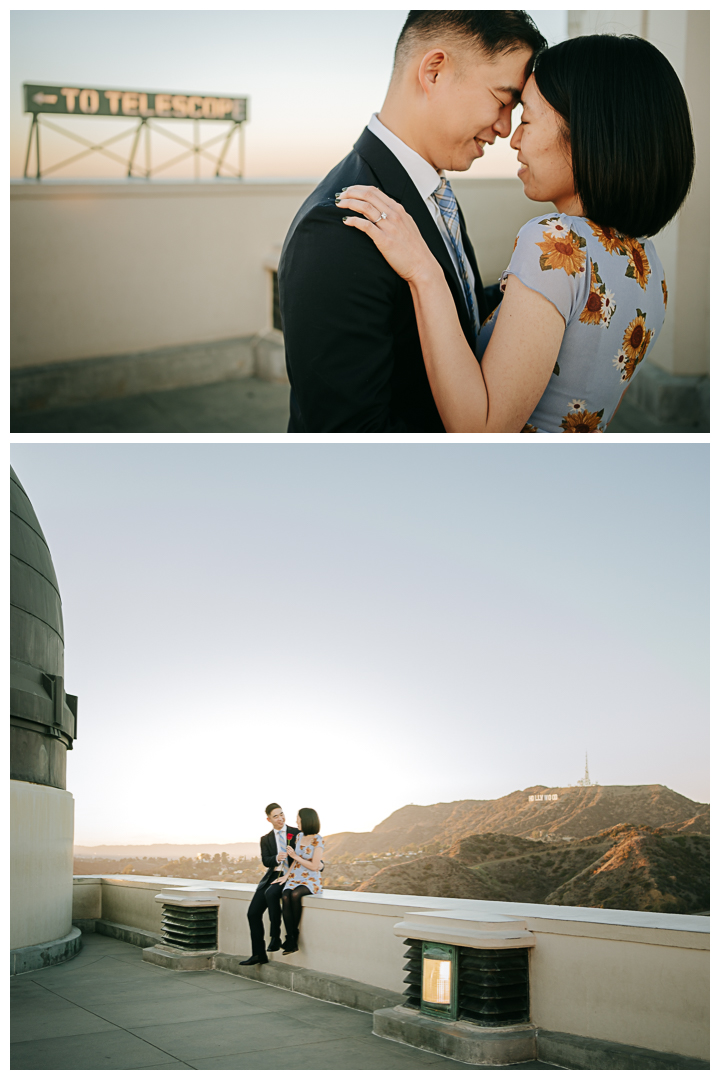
{"x":518,"y":362}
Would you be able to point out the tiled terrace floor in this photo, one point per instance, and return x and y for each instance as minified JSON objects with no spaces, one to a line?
{"x":108,"y":1009}
{"x":240,"y":405}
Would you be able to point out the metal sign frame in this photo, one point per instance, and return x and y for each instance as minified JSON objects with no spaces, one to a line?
{"x":148,"y":106}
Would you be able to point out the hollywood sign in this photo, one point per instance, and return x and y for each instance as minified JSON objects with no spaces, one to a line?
{"x":542,"y":798}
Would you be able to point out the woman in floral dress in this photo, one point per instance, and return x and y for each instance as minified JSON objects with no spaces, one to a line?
{"x":605,"y":135}
{"x":303,"y":877}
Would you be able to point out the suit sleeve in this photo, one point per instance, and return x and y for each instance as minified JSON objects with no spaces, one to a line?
{"x":338,"y":298}
{"x":268,"y":854}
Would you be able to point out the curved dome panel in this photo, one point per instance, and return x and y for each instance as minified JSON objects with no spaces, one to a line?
{"x":42,"y":715}
{"x":33,"y":584}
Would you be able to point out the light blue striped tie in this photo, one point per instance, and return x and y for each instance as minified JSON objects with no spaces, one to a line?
{"x":445,"y":198}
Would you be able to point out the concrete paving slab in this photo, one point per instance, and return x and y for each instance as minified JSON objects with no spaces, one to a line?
{"x":97,"y":994}
{"x":339,"y":1054}
{"x":133,"y":1014}
{"x":341,"y":1021}
{"x":94,"y":968}
{"x":262,"y":405}
{"x":30,"y":994}
{"x":206,"y":1038}
{"x":176,"y":1065}
{"x":236,"y":405}
{"x":52,"y":1018}
{"x":221,"y":982}
{"x":113,"y":1049}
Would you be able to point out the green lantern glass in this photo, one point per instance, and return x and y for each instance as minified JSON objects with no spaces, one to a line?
{"x":439,"y":980}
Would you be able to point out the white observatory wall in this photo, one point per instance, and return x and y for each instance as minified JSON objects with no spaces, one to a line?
{"x":41,"y":863}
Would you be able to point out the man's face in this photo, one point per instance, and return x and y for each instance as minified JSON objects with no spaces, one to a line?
{"x":276,"y":818}
{"x":471,"y":106}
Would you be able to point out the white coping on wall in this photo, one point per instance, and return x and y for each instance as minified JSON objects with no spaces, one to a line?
{"x":555,"y":918}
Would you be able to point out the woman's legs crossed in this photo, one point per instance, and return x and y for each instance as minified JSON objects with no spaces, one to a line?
{"x":292,"y":911}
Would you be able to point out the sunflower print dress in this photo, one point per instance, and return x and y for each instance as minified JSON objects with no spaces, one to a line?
{"x":300,"y":875}
{"x":610,"y":290}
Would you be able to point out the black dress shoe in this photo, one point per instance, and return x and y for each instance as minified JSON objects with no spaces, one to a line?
{"x":255,"y":960}
{"x":274,"y":945}
{"x":290,"y":946}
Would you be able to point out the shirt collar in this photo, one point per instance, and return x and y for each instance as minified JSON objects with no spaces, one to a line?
{"x":424,"y":176}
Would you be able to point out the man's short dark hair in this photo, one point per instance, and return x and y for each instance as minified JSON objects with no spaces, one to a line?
{"x":490,"y":32}
{"x":628,"y":125}
{"x":309,"y":821}
{"x":272,"y":806}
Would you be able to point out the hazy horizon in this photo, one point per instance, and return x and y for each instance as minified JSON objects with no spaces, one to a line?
{"x":208,"y":845}
{"x":360,"y":627}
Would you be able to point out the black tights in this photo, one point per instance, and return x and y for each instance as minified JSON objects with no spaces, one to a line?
{"x":292,"y":910}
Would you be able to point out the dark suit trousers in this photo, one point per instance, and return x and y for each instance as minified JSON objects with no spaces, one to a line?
{"x":267,"y":897}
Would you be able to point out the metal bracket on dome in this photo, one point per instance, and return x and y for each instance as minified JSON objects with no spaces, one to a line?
{"x":55,"y":687}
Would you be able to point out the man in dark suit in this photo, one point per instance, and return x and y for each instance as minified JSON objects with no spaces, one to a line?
{"x":268,"y":894}
{"x":351,"y":341}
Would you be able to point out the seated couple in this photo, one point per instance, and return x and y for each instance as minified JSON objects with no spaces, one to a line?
{"x":386,"y":322}
{"x":293,"y":858}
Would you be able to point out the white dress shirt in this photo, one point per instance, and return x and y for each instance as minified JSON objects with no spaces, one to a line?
{"x":426,"y":179}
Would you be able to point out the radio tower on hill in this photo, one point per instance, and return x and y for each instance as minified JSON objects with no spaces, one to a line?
{"x":586,"y":781}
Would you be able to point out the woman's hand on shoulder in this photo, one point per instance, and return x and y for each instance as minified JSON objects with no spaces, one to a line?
{"x":391,"y":229}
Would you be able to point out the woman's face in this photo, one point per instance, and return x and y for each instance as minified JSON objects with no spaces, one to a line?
{"x":544,"y":156}
{"x":299,"y":822}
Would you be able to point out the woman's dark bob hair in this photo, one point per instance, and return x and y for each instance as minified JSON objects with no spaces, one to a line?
{"x":629,"y":128}
{"x":309,"y":821}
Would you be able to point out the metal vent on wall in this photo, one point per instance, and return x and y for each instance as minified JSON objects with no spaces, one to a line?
{"x":414,"y":977}
{"x":194,"y":929}
{"x":494,"y":986}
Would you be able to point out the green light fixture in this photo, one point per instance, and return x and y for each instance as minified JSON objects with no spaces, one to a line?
{"x":439,"y":980}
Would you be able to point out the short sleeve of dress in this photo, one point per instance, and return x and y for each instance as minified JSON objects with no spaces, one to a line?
{"x":550,"y":258}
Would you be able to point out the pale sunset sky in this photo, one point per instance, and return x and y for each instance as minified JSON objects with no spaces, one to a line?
{"x":313,"y":78}
{"x":359,"y":627}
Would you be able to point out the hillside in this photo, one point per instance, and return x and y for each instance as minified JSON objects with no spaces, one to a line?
{"x":164,"y":851}
{"x":644,"y":871}
{"x":433,"y":875}
{"x":553,"y":813}
{"x":626,"y":867}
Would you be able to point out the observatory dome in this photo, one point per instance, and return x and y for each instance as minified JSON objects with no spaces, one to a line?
{"x":43,"y":718}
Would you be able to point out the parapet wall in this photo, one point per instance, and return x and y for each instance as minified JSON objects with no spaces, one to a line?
{"x":635,"y":978}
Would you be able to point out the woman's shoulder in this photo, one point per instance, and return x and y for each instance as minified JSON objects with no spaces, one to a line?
{"x":580,"y":230}
{"x":552,"y":242}
{"x":554,"y":223}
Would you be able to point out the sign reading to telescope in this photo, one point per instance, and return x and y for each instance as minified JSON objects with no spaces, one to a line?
{"x":90,"y":101}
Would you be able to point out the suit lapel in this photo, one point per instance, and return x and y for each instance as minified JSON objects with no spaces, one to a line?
{"x":396,"y":183}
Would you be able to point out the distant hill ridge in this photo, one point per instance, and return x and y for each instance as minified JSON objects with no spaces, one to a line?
{"x":627,"y":867}
{"x":165,"y":851}
{"x":576,"y":813}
